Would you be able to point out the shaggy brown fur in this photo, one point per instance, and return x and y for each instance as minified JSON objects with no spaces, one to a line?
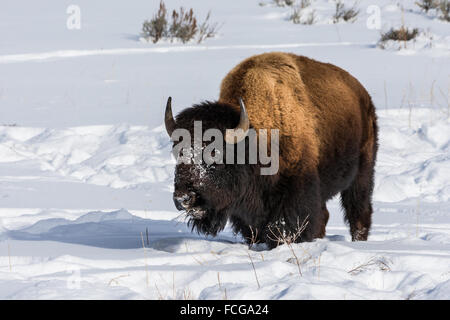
{"x":328,"y":144}
{"x":322,"y":113}
{"x":305,"y":99}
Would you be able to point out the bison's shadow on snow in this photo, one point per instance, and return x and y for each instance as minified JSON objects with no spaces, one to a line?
{"x":114,"y":230}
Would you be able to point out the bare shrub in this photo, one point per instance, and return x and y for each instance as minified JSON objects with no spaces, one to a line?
{"x":156,"y":28}
{"x":444,"y":8}
{"x":400,"y":34}
{"x":298,"y":15}
{"x":183,"y":26}
{"x":207,"y":30}
{"x":343,"y":13}
{"x":427,"y":5}
{"x":282,"y":3}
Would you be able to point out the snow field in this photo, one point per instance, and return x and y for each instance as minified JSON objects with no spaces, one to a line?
{"x":99,"y":254}
{"x":86,"y":174}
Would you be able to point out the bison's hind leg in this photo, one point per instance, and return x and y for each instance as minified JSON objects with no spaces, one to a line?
{"x":357,"y":199}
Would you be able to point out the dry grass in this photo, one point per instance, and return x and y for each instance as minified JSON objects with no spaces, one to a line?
{"x":439,"y":102}
{"x":254,"y":270}
{"x":187,"y":294}
{"x":253,"y":238}
{"x":380,"y":262}
{"x":116,"y":279}
{"x":198,"y":261}
{"x":224,"y":297}
{"x":317,"y":265}
{"x":160,"y":296}
{"x":207,"y":30}
{"x":289,"y":238}
{"x":252,"y":242}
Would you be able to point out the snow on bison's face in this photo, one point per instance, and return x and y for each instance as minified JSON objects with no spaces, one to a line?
{"x":205,"y":190}
{"x":201,"y":190}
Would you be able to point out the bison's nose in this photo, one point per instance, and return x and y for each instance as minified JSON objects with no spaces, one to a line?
{"x":185,"y":200}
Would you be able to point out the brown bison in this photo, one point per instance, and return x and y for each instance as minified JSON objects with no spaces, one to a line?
{"x":327,"y":144}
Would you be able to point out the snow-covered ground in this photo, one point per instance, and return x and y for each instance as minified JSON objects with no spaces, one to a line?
{"x":86,"y":173}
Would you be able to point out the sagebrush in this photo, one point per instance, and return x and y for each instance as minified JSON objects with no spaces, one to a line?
{"x":183,"y":26}
{"x":444,"y":8}
{"x":156,"y":28}
{"x":441,"y":7}
{"x":427,"y":5}
{"x":400,"y":34}
{"x":344,"y":13}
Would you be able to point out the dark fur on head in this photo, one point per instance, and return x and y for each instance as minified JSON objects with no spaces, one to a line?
{"x":220,"y":186}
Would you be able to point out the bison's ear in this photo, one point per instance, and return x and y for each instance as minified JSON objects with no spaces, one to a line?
{"x":168,"y":118}
{"x":239,"y":133}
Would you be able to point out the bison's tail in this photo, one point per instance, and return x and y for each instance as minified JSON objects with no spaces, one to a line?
{"x":374,"y":123}
{"x":369,"y":146}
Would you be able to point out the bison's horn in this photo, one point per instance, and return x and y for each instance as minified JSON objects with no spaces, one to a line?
{"x":168,"y":118}
{"x":239,"y":133}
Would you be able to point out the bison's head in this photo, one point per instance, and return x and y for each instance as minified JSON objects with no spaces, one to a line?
{"x":207,"y":191}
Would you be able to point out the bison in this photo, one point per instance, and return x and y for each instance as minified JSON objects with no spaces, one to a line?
{"x":327,"y":145}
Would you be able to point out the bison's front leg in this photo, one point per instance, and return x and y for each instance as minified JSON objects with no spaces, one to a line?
{"x":297,"y":216}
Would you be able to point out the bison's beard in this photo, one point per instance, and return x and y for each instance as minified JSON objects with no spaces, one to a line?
{"x":207,"y":221}
{"x":196,"y":213}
